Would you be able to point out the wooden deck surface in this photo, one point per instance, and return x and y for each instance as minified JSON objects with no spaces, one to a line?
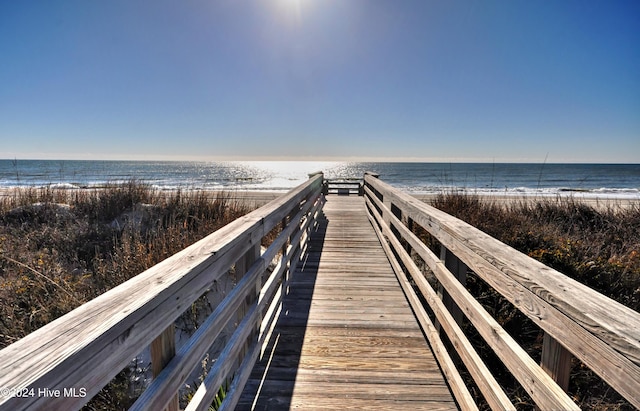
{"x":346,"y":337}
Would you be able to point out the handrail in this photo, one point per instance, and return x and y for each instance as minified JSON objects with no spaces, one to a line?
{"x":577,"y":320}
{"x":65,"y":363}
{"x":73,"y":357}
{"x":344,"y":186}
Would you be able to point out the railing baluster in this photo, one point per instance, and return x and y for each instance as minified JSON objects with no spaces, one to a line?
{"x":87,"y":347}
{"x":242,"y":266}
{"x":556,"y":361}
{"x":598,"y":331}
{"x":163,"y":349}
{"x":283,"y":250}
{"x":459,"y":271}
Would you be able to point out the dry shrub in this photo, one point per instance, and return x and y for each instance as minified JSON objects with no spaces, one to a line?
{"x":598,"y":247}
{"x":61,"y":248}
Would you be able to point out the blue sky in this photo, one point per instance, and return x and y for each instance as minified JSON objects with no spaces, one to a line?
{"x":321,"y":79}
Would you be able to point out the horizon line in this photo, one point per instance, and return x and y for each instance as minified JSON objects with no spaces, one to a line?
{"x":355,"y":159}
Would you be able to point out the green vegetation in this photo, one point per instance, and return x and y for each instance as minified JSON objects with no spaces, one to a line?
{"x":61,"y":248}
{"x":599,"y":247}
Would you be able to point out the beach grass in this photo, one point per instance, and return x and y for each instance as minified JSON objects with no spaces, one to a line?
{"x":62,"y":248}
{"x":597,"y":246}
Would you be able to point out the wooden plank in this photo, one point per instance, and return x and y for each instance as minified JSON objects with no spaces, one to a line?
{"x":330,"y":332}
{"x":449,"y":370}
{"x":90,"y":345}
{"x":163,"y":349}
{"x":459,"y":271}
{"x":437,"y":391}
{"x":224,"y":365}
{"x":602,"y":333}
{"x":346,"y":337}
{"x":329,"y":402}
{"x":542,"y":389}
{"x":328,"y":376}
{"x":492,"y":391}
{"x":556,"y":361}
{"x":175,"y":374}
{"x":270,"y":304}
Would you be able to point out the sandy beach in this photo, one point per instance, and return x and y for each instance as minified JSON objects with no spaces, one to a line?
{"x":260,"y":198}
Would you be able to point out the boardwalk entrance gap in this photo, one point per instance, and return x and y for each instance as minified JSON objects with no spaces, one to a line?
{"x":345,"y":320}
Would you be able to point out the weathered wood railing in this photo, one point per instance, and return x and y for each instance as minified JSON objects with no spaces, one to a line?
{"x":65,"y":363}
{"x":344,"y":186}
{"x":576,"y":320}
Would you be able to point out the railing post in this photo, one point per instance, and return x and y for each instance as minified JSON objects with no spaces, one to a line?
{"x":296,"y":248}
{"x":386,"y":201}
{"x":556,"y":361}
{"x":242,"y":266}
{"x":290,"y":265}
{"x":409,"y":223}
{"x":163,"y":349}
{"x":325,"y":184}
{"x":459,"y":271}
{"x":283,"y":250}
{"x":374,"y":175}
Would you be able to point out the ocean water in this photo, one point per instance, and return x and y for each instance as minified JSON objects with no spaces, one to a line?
{"x":588,"y":180}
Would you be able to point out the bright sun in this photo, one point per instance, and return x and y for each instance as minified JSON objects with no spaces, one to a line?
{"x":294,"y":6}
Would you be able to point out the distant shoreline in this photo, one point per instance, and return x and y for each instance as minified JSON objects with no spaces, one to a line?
{"x":259,"y":198}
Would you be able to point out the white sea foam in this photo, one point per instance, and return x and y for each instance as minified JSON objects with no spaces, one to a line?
{"x":66,"y":186}
{"x":586,"y":180}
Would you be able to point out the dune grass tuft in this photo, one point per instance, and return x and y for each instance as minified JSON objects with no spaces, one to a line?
{"x":61,"y":248}
{"x":597,"y":246}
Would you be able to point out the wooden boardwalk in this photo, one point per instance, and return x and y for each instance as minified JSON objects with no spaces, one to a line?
{"x":346,"y":337}
{"x":342,"y":335}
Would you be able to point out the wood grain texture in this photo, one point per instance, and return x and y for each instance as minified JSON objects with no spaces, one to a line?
{"x":492,"y":391}
{"x":174,"y":375}
{"x":540,"y":386}
{"x":602,"y":333}
{"x":556,"y":361}
{"x":346,"y":337}
{"x":338,"y":332}
{"x":163,"y":349}
{"x":87,"y":347}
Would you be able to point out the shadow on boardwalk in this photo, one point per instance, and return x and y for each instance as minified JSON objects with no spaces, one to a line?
{"x":279,"y":364}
